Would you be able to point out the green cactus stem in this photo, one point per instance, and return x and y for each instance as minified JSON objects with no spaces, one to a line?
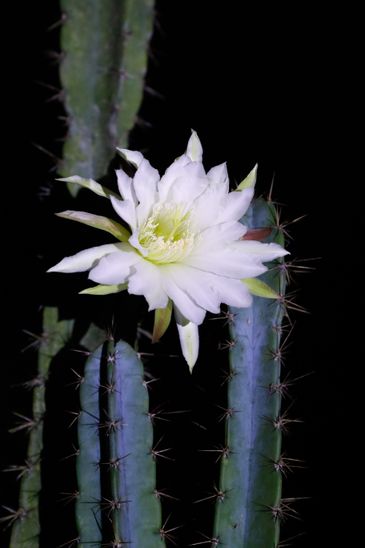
{"x":114,"y":375}
{"x":249,"y":497}
{"x":102,"y":75}
{"x":26,"y":529}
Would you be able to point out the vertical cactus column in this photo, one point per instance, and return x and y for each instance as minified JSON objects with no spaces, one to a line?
{"x":115,"y":465}
{"x":26,"y":527}
{"x":102,"y":76}
{"x":249,"y":503}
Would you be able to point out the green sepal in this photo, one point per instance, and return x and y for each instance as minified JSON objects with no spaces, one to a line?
{"x":162,"y":321}
{"x":103,"y":289}
{"x":249,"y":181}
{"x":260,"y":288}
{"x":97,"y":221}
{"x":90,"y":184}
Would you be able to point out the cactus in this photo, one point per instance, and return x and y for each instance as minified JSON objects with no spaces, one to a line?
{"x":26,"y":526}
{"x":102,"y":72}
{"x":248,"y":502}
{"x":116,"y":437}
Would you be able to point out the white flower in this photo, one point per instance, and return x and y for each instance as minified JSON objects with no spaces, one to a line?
{"x":185,"y":243}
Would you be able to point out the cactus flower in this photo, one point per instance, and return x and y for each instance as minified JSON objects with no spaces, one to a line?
{"x":186,"y":245}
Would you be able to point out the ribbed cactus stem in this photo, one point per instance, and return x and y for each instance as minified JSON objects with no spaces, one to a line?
{"x":26,"y":529}
{"x":102,"y":75}
{"x":247,"y":508}
{"x":121,"y":435}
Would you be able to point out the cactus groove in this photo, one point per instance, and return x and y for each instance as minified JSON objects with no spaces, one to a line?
{"x":249,"y":495}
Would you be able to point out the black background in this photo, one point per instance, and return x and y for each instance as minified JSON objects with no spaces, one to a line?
{"x":275,"y":85}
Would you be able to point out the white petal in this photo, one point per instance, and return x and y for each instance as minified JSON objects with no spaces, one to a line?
{"x":146,"y":280}
{"x":171,"y":173}
{"x":228,"y":261}
{"x":84,"y":259}
{"x":185,"y":190}
{"x":146,"y":177}
{"x":181,"y":299}
{"x":116,"y":267}
{"x":264,"y":252}
{"x":194,"y":283}
{"x":206,"y":208}
{"x":178,"y":170}
{"x":134,"y":241}
{"x":132,"y":156}
{"x":125,"y":186}
{"x":219,"y":175}
{"x":194,"y":149}
{"x":145,"y":185}
{"x":189,"y":340}
{"x":215,"y":236}
{"x":235,"y":205}
{"x":232,"y":292}
{"x":126,"y":210}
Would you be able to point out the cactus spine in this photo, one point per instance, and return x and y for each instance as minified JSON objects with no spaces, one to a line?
{"x":248,"y":504}
{"x":26,"y":528}
{"x":102,"y":73}
{"x":116,"y":439}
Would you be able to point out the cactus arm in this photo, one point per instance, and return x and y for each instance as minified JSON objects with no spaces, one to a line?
{"x":25,"y":531}
{"x":250,"y":484}
{"x":102,"y":77}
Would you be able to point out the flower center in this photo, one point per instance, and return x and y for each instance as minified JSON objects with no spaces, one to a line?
{"x":166,"y":234}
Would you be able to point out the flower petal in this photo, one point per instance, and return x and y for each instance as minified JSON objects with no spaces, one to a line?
{"x":84,"y":259}
{"x":181,"y":299}
{"x":231,"y":292}
{"x":194,"y":149}
{"x":235,"y":205}
{"x":263,"y":252}
{"x":134,"y":157}
{"x":194,"y":282}
{"x":126,"y":211}
{"x":171,"y":173}
{"x":189,"y":339}
{"x":206,"y":208}
{"x":185,"y":190}
{"x":145,"y":185}
{"x":146,"y":177}
{"x":125,"y":186}
{"x":228,"y":261}
{"x":213,"y":237}
{"x":115,"y":268}
{"x":177,"y":171}
{"x":146,"y":280}
{"x":219,"y":175}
